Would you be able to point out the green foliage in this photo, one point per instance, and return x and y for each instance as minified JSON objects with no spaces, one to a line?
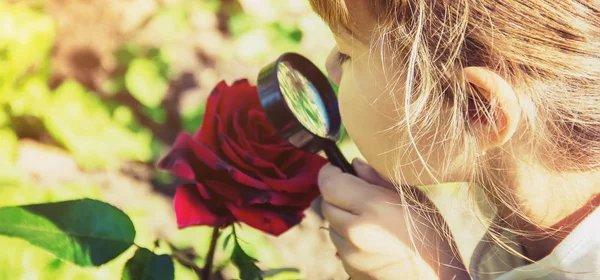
{"x":146,"y":265}
{"x":258,"y":39}
{"x":8,"y":149}
{"x":25,"y":41}
{"x":192,"y":119}
{"x":171,"y":21}
{"x":83,"y":124}
{"x":85,"y":232}
{"x":282,"y":274}
{"x":21,"y":260}
{"x":100,"y":133}
{"x":245,"y":246}
{"x":245,"y":263}
{"x":71,"y":115}
{"x":257,"y":43}
{"x":145,"y":82}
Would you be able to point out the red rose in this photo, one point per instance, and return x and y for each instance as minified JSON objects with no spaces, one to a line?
{"x":239,"y":168}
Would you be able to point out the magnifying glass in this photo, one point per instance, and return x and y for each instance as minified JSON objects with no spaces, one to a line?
{"x":301,"y":104}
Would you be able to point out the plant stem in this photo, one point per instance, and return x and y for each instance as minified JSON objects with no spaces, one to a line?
{"x":207,"y":271}
{"x":185,"y":257}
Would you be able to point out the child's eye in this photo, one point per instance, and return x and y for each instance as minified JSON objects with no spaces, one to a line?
{"x":342,"y":57}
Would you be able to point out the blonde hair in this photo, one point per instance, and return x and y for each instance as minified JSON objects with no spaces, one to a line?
{"x":549,"y":51}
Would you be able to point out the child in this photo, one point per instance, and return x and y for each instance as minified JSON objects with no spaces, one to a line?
{"x":504,"y":95}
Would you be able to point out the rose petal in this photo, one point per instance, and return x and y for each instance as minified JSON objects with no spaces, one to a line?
{"x":209,"y":127}
{"x":273,"y":220}
{"x":240,"y":97}
{"x":256,"y":128}
{"x":272,"y":153}
{"x":204,"y":192}
{"x":176,"y":159}
{"x":192,"y":210}
{"x":243,"y":196}
{"x":240,"y":136}
{"x":226,"y":149}
{"x":224,"y":101}
{"x":301,"y":176}
{"x":205,"y":163}
{"x":306,"y":164}
{"x":260,"y":129}
{"x":242,"y":168}
{"x":252,"y":164}
{"x":287,"y":199}
{"x":291,"y":159}
{"x":244,"y":160}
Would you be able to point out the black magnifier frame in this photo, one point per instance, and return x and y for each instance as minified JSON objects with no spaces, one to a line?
{"x":282,"y":118}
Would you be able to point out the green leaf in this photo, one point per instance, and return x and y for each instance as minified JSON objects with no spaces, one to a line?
{"x":145,"y":81}
{"x":246,"y":264}
{"x":146,"y":265}
{"x":85,"y":232}
{"x":282,"y":274}
{"x":257,"y":246}
{"x":227,"y":240}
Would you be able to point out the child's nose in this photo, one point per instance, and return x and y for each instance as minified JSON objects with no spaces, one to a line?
{"x":334,"y":69}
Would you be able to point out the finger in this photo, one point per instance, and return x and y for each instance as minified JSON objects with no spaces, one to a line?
{"x":343,"y":246}
{"x":352,"y":258}
{"x":344,"y":250}
{"x":326,"y":172}
{"x":339,"y":219}
{"x":343,"y":190}
{"x":370,"y":175}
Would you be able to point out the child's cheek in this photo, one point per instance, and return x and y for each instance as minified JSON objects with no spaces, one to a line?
{"x":366,"y":113}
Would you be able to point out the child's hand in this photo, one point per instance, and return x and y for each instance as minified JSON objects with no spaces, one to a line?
{"x":367,"y":225}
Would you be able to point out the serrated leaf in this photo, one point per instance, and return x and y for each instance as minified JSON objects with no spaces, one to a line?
{"x":246,"y":264}
{"x":145,"y":265}
{"x":145,"y":82}
{"x":85,"y":232}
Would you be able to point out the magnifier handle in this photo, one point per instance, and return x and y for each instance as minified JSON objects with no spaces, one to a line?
{"x":336,"y":158}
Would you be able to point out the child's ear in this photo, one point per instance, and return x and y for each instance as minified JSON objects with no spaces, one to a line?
{"x":494,"y":110}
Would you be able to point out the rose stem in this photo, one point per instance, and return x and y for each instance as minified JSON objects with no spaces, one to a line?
{"x":207,"y":271}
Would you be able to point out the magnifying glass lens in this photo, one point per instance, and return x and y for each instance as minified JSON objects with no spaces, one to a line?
{"x":301,"y":104}
{"x":303,"y":100}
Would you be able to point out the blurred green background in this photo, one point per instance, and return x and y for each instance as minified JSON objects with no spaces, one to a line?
{"x":93,"y":92}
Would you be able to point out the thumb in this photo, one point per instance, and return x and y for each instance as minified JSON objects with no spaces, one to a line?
{"x":369,"y":174}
